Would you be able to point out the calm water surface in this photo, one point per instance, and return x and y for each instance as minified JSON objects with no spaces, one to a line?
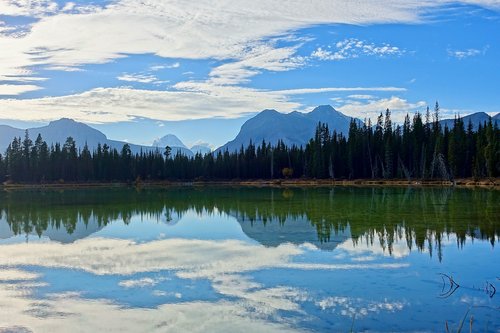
{"x":248,"y":259}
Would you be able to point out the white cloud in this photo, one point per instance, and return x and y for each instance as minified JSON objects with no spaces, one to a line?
{"x":69,"y":6}
{"x":463,"y":54}
{"x":16,"y":89}
{"x":28,"y":7}
{"x":9,"y":274}
{"x":64,"y":68}
{"x":140,"y":283}
{"x":264,"y":56}
{"x":140,"y":78}
{"x":360,"y":96}
{"x":191,"y":101}
{"x":336,"y":89}
{"x":179,"y":30}
{"x":187,"y":100}
{"x":371,"y":109}
{"x":174,"y":65}
{"x":354,"y":48}
{"x":176,"y":29}
{"x":159,"y":67}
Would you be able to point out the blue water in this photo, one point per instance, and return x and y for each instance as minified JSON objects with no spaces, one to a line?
{"x":214,"y":270}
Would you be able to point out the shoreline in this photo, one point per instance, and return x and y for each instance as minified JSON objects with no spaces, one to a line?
{"x":491,"y":183}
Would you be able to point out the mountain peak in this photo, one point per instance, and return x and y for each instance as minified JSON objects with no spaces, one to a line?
{"x":323,"y":109}
{"x":169,"y":140}
{"x":63,"y":121}
{"x":268,"y":113}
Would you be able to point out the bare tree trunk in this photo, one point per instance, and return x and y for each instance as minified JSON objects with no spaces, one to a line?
{"x":405,"y":170}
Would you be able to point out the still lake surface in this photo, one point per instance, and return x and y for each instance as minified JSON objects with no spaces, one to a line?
{"x":249,"y":259}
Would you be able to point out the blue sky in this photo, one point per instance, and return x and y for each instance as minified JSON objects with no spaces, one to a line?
{"x":138,"y":70}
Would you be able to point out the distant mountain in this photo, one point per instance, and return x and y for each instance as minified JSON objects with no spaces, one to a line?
{"x":476,"y":119}
{"x":202,"y":149}
{"x":174,"y":143}
{"x":58,"y":131}
{"x":294,"y":128}
{"x":7,"y":133}
{"x":169,"y":140}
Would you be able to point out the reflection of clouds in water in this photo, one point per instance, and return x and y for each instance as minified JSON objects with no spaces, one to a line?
{"x":364,"y":258}
{"x":347,"y":306}
{"x":264,"y":300}
{"x":306,"y":266}
{"x":190,"y":257}
{"x":371,"y":245}
{"x":224,"y":263}
{"x":68,"y":312}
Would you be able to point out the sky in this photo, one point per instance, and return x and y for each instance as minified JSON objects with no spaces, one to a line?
{"x":138,"y":70}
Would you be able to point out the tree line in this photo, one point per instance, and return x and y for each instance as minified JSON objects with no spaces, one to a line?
{"x":418,"y":149}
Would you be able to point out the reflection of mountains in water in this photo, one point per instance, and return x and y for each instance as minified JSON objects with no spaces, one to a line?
{"x":68,"y":232}
{"x":273,"y":232}
{"x":322,"y":216}
{"x":55,"y":232}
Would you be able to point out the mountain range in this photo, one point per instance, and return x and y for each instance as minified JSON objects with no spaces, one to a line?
{"x":293,"y":128}
{"x":475,"y":118}
{"x":58,"y":131}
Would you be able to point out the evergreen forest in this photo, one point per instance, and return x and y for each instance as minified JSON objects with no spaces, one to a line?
{"x":418,"y":149}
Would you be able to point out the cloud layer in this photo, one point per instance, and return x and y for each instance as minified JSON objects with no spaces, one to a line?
{"x":66,"y":37}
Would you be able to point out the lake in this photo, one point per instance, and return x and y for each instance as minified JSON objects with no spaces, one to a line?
{"x":224,"y":259}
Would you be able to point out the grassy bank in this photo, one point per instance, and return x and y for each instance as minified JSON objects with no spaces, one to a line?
{"x":493,"y":183}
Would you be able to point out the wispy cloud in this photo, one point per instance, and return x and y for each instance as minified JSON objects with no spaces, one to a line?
{"x":104,"y":105}
{"x":175,"y":29}
{"x":140,"y":78}
{"x":180,"y":30}
{"x":160,"y":67}
{"x":260,"y":57}
{"x":35,"y":8}
{"x":468,"y":53}
{"x":301,"y":91}
{"x":16,"y":89}
{"x":64,"y":68}
{"x":354,"y":48}
{"x":362,"y":97}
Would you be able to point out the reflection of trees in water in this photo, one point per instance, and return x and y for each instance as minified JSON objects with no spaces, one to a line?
{"x":418,"y":216}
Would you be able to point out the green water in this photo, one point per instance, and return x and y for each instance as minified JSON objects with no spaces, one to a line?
{"x":258,"y":259}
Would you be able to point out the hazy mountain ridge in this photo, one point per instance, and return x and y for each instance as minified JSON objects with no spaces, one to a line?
{"x":201,"y":149}
{"x":176,"y":144}
{"x":475,"y":118}
{"x":59,"y":130}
